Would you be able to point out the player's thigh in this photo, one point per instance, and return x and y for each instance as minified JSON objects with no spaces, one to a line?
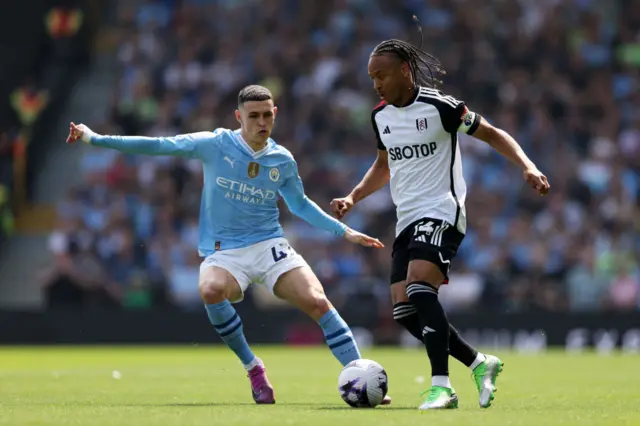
{"x":426,"y":271}
{"x":302,"y":288}
{"x":221,"y":279}
{"x":431,"y":251}
{"x":399,"y":292}
{"x":400,"y":267}
{"x":273,"y":262}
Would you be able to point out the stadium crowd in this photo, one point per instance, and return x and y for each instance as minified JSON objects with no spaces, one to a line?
{"x":6,"y":170}
{"x":561,"y":76}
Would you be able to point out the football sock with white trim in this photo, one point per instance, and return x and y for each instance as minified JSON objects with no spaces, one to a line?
{"x":227,"y":322}
{"x":434,"y":323}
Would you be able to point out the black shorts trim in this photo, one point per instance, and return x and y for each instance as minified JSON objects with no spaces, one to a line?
{"x":433,"y":240}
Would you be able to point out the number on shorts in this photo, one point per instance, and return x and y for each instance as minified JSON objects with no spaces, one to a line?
{"x":277,"y":255}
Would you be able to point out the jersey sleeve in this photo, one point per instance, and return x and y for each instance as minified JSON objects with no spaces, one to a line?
{"x":300,"y":205}
{"x":191,"y":145}
{"x":375,"y":111}
{"x":457,"y":117}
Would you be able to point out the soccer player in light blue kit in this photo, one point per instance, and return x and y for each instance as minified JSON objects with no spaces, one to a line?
{"x":241,"y":238}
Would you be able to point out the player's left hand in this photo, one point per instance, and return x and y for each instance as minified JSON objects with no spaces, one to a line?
{"x":76,"y":132}
{"x":537,"y":180}
{"x":362,"y":239}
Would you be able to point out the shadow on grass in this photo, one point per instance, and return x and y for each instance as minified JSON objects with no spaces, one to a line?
{"x":360,"y":410}
{"x":316,"y":406}
{"x":308,"y":405}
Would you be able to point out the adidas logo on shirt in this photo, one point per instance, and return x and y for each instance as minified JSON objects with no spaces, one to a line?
{"x":386,"y":131}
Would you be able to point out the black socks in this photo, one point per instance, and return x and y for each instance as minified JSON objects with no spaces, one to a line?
{"x":434,"y":325}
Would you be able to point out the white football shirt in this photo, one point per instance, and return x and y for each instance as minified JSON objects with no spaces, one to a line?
{"x":424,"y":156}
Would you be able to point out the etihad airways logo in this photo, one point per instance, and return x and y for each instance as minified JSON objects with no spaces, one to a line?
{"x":245,"y":192}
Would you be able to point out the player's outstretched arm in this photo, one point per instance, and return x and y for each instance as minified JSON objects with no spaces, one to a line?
{"x":300,"y":205}
{"x":181,"y":145}
{"x":376,"y":177}
{"x":506,"y":145}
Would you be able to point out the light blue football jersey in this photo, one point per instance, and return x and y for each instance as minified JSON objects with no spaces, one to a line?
{"x":241,"y":186}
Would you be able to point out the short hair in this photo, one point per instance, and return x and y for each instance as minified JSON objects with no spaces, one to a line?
{"x":424,"y":67}
{"x":254,"y":92}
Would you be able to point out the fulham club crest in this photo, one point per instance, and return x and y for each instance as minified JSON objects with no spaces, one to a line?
{"x":253,"y":169}
{"x":421,"y":124}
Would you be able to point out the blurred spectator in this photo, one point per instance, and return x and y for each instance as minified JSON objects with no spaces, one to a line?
{"x":182,"y":290}
{"x":562,"y":76}
{"x":6,"y":179}
{"x":77,"y":278}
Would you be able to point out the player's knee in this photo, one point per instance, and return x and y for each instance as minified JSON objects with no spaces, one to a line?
{"x":317,"y":306}
{"x":421,"y":270}
{"x":399,"y":292}
{"x":212,"y":291}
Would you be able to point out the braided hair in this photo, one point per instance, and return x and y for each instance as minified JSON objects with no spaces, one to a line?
{"x":424,"y":67}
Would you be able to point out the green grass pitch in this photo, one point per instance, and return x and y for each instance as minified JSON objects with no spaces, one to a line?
{"x":207,"y":386}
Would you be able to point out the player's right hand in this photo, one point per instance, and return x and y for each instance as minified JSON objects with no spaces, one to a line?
{"x":76,"y":132}
{"x":537,"y":180}
{"x":362,"y":239}
{"x":340,"y":206}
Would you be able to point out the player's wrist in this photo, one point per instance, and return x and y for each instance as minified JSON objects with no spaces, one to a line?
{"x":88,"y":135}
{"x":353,"y":197}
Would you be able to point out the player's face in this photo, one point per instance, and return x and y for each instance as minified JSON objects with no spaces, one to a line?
{"x":391,"y":77}
{"x":257,"y":119}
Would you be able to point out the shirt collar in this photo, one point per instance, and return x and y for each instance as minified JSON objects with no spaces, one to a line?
{"x":247,"y":147}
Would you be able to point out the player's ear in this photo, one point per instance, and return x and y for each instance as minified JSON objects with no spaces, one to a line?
{"x":275,"y":111}
{"x":238,"y":117}
{"x":404,"y":69}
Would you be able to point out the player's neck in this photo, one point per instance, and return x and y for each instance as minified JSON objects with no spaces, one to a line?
{"x":257,"y":146}
{"x":254,"y":145}
{"x":408,"y":97}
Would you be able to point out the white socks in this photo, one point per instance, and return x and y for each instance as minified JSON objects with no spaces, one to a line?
{"x":480,"y":358}
{"x":442,"y":381}
{"x":256,"y":361}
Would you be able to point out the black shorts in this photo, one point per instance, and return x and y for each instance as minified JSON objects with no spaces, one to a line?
{"x":433,"y":240}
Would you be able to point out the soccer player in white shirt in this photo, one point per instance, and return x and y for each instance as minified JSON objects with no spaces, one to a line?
{"x":416,"y":127}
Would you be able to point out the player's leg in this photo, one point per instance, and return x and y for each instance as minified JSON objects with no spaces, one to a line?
{"x":485,"y":368}
{"x":406,"y":314}
{"x":301,"y":288}
{"x":423,"y":280}
{"x":431,"y":251}
{"x":288,"y":276}
{"x":217,"y":288}
{"x":404,"y":311}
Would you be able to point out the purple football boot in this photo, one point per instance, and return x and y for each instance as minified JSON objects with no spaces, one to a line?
{"x":261,"y":389}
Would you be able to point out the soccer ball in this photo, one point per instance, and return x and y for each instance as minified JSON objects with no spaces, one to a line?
{"x":363,"y":383}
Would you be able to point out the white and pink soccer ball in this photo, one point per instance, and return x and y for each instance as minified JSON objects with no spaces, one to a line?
{"x":363,"y":383}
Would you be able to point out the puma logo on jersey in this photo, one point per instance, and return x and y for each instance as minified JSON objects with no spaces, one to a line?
{"x":412,"y":151}
{"x":229,"y":160}
{"x":386,"y":131}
